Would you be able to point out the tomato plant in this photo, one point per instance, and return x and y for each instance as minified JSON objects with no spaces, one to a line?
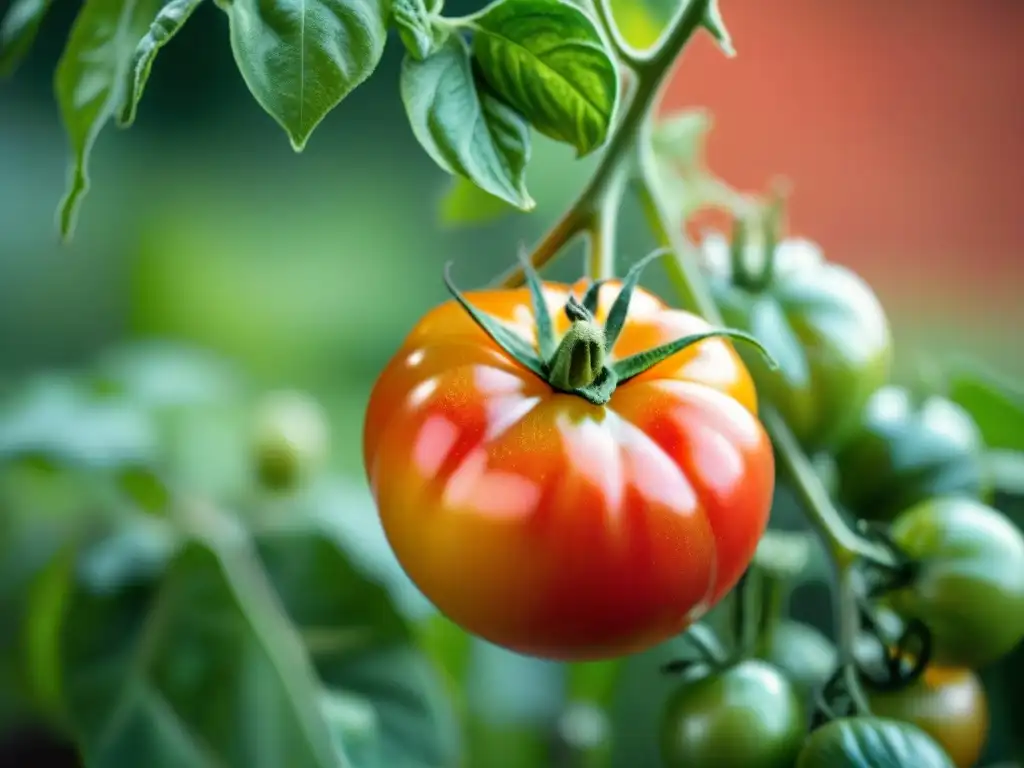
{"x":558,"y":475}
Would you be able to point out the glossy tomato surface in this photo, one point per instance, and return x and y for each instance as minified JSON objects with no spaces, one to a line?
{"x":905,"y":450}
{"x":969,"y":582}
{"x":947,"y":704}
{"x":552,"y":526}
{"x":747,"y":716}
{"x":871,"y":742}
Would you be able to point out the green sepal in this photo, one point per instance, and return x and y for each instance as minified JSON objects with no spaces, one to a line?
{"x":541,"y":315}
{"x":634,"y":365}
{"x":590,"y":298}
{"x":620,"y":308}
{"x":510,"y":341}
{"x":600,"y":391}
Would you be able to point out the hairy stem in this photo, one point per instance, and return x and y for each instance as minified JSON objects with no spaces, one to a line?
{"x":603,"y":228}
{"x":651,"y":71}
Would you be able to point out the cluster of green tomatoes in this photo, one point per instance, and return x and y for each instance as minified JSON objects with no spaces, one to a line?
{"x":907,"y":469}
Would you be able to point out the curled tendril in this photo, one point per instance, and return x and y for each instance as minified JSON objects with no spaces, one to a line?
{"x":904,"y":659}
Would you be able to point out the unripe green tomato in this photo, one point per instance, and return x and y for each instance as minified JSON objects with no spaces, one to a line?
{"x":968,"y":586}
{"x":746,"y":716}
{"x":802,"y":653}
{"x":905,"y":451}
{"x":822,"y":324}
{"x":871,"y":742}
{"x":290,"y":439}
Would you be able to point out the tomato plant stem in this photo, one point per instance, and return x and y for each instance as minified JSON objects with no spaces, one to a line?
{"x":682,"y":266}
{"x":651,"y":70}
{"x":844,"y":544}
{"x":603,"y":228}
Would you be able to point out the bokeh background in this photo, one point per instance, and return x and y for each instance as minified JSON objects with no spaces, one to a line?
{"x":898,"y":124}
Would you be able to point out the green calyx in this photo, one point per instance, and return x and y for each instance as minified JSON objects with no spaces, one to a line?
{"x":579,"y":363}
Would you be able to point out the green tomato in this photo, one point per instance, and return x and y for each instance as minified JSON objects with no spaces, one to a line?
{"x":905,"y":451}
{"x":969,"y":582}
{"x":290,"y":439}
{"x":824,"y":326}
{"x":871,"y":742}
{"x":802,"y":653}
{"x":746,"y":716}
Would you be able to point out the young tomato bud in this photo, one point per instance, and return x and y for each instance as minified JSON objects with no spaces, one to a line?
{"x":290,"y":439}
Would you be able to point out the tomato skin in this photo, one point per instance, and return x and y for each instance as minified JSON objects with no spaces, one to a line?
{"x":824,"y":326}
{"x":871,"y":742}
{"x":969,"y":585}
{"x":551,"y":526}
{"x":947,"y":704}
{"x":746,"y":716}
{"x":905,"y":451}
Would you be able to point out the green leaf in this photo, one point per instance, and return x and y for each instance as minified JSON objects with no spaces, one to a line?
{"x":89,"y":83}
{"x":18,"y":31}
{"x":176,"y":650}
{"x":55,"y":420}
{"x":548,"y":60}
{"x":465,"y":129}
{"x":465,"y":203}
{"x":995,"y":403}
{"x":144,"y":488}
{"x":353,"y":631}
{"x":48,"y":596}
{"x":714,"y":24}
{"x":419,"y":35}
{"x":168,"y":21}
{"x":300,"y":58}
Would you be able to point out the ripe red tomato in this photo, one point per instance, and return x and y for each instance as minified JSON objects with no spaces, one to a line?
{"x":547,"y":524}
